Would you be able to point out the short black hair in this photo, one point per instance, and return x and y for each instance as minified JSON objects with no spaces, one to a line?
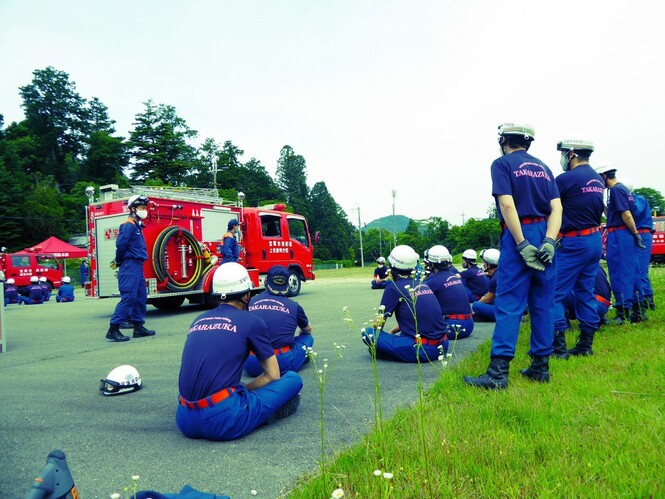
{"x":515,"y":141}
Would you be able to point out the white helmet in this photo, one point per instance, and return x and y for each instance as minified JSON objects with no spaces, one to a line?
{"x":137,"y":200}
{"x":604,"y":168}
{"x":122,"y":379}
{"x":66,"y":279}
{"x":381,"y":260}
{"x":229,"y":279}
{"x":490,"y":256}
{"x":42,"y":278}
{"x":470,"y":254}
{"x":439,"y":254}
{"x":403,"y":257}
{"x":528,"y":131}
{"x":34,"y":278}
{"x":10,"y":281}
{"x":575,"y":145}
{"x":627,"y":183}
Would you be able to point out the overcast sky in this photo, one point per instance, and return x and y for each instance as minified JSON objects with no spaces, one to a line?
{"x":376,"y":95}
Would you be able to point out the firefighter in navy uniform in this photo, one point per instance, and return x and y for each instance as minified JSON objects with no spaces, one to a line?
{"x":229,"y":247}
{"x":130,"y":253}
{"x":581,"y":190}
{"x":33,"y":295}
{"x":623,"y":240}
{"x":380,"y":280}
{"x":529,"y":207}
{"x":474,"y":279}
{"x":11,"y":292}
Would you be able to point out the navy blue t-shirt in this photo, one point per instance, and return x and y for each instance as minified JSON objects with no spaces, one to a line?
{"x":601,"y":285}
{"x":475,"y":280}
{"x":450,"y":292}
{"x":528,"y":180}
{"x":396,"y":298}
{"x":282,"y":316}
{"x":492,"y":286}
{"x":11,"y":293}
{"x":620,"y":200}
{"x":643,"y":216}
{"x":217,"y":345}
{"x":66,"y":291}
{"x":36,"y":293}
{"x":581,"y":191}
{"x":381,"y":272}
{"x":130,"y":242}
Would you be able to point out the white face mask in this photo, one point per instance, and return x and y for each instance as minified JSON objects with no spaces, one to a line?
{"x":565,"y":162}
{"x":142,"y":214}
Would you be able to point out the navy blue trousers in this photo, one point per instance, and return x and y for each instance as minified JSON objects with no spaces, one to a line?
{"x":642,"y":281}
{"x":402,"y":348}
{"x":621,"y":265}
{"x":133,"y":295}
{"x":292,"y":360}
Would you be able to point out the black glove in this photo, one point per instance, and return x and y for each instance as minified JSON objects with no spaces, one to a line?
{"x":529,"y":253}
{"x":638,"y":240}
{"x":546,"y":251}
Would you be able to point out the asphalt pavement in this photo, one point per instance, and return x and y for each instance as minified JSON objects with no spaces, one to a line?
{"x":56,"y":355}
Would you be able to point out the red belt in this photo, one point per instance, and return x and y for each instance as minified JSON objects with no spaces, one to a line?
{"x":460,"y":317}
{"x":620,"y":227}
{"x":643,"y":231}
{"x":527,"y":221}
{"x":213,"y":399}
{"x":602,"y":300}
{"x":583,"y":232}
{"x":427,"y":341}
{"x":281,"y":350}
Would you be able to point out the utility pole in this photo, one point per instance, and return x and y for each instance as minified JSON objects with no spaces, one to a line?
{"x":462,"y":218}
{"x":214,"y":172}
{"x":360,"y":233}
{"x":394,"y":233}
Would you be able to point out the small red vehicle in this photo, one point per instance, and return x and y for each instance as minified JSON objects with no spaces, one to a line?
{"x":183,"y":233}
{"x":23,"y":265}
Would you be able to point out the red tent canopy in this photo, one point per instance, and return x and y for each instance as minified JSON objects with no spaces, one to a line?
{"x":59,"y":249}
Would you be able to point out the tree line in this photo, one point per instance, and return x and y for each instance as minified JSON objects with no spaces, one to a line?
{"x":67,"y":142}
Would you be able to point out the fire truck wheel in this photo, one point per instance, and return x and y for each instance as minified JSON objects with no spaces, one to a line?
{"x":168,"y":303}
{"x":294,"y":284}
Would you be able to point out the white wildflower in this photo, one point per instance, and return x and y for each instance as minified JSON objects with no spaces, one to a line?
{"x":377,"y":472}
{"x":320,"y":371}
{"x":337,"y":494}
{"x":440,"y":357}
{"x":388,"y":476}
{"x":135,"y":477}
{"x":115,"y":496}
{"x":345,"y":309}
{"x":254,"y":492}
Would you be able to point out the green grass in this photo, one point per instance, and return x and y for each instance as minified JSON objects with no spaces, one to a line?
{"x":597,"y":430}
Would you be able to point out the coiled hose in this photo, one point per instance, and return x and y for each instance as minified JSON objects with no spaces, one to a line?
{"x":201,"y":258}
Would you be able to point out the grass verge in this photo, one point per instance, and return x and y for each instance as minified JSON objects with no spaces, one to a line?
{"x":597,"y":430}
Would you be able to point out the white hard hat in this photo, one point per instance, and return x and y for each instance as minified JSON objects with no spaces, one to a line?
{"x":470,"y":254}
{"x":229,"y":279}
{"x":66,"y":279}
{"x":42,"y":278}
{"x":403,"y":257}
{"x":10,"y":281}
{"x":490,"y":256}
{"x":439,"y":254}
{"x":381,"y":260}
{"x":575,"y":145}
{"x":604,"y":168}
{"x":34,"y":278}
{"x":137,"y":200}
{"x":527,"y":131}
{"x":122,"y":379}
{"x":627,"y":183}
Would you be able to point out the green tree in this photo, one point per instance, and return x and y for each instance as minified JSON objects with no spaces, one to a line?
{"x":159,"y":145}
{"x":655,"y":199}
{"x":475,"y":234}
{"x":328,"y":218}
{"x":44,"y":216}
{"x":292,"y":180}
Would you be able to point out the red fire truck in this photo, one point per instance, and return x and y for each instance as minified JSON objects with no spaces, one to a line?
{"x":658,"y":249}
{"x":183,"y":234}
{"x":23,"y":265}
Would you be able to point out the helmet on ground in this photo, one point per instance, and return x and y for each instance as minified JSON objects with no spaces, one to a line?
{"x":66,"y":279}
{"x":34,"y":278}
{"x":42,"y":279}
{"x":232,"y":223}
{"x":277,"y":280}
{"x":490,"y":256}
{"x":122,"y":379}
{"x":230,"y":279}
{"x":403,"y":257}
{"x":575,"y":145}
{"x":470,"y":255}
{"x":605,"y":168}
{"x":527,"y":131}
{"x":628,"y":184}
{"x":380,"y":260}
{"x":439,"y":254}
{"x":139,"y":200}
{"x":10,"y":281}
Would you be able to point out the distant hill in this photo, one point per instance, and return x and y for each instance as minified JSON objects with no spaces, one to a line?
{"x":386,"y":223}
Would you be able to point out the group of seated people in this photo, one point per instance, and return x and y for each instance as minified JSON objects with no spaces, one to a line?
{"x":38,"y":292}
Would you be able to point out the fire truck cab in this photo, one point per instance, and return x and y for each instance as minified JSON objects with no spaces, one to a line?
{"x":23,"y":265}
{"x":183,"y":234}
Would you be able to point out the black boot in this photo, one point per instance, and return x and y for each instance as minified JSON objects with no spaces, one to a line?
{"x":496,"y":377}
{"x":559,"y":350}
{"x":584,"y":344}
{"x":622,"y":316}
{"x":140,"y":331}
{"x":652,"y":305}
{"x":539,"y":370}
{"x":126,"y":325}
{"x":286,"y":410}
{"x":114,"y":334}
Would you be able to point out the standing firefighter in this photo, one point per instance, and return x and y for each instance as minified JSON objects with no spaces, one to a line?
{"x":530,"y":210}
{"x":130,"y":254}
{"x":229,"y":247}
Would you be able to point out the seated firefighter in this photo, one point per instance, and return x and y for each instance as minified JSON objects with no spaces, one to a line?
{"x":282,"y":316}
{"x":380,"y":274}
{"x":483,"y":309}
{"x":33,"y":295}
{"x":66,"y":291}
{"x":475,"y":280}
{"x":214,"y":404}
{"x":420,"y":333}
{"x":447,"y":286}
